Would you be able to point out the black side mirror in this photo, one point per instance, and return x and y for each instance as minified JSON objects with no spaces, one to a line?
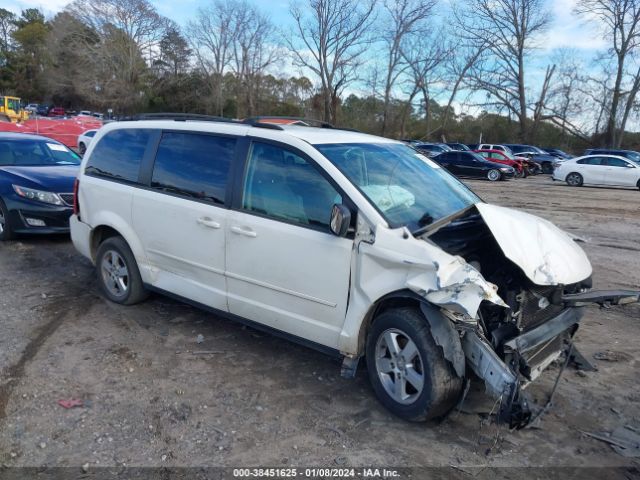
{"x":340,"y":220}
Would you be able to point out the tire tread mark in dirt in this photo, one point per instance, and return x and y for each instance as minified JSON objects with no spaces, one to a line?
{"x":15,"y":372}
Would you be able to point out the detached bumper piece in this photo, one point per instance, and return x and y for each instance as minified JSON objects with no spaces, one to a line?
{"x":604,"y":298}
{"x":528,"y":354}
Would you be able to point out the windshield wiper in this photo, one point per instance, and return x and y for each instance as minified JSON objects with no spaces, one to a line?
{"x":443,"y":221}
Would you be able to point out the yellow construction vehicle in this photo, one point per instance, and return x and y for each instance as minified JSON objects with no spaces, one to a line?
{"x":11,"y":110}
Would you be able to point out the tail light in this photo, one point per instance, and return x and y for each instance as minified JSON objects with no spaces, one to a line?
{"x":76,"y":203}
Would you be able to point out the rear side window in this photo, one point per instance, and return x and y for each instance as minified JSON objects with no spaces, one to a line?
{"x":193,"y":165}
{"x":615,"y":162}
{"x":118,"y":154}
{"x":590,"y":161}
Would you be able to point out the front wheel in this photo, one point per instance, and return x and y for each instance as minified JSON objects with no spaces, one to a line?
{"x":547,"y":167}
{"x":493,"y":175}
{"x":6,"y":228}
{"x":407,"y":370}
{"x":118,"y":274}
{"x":574,"y":179}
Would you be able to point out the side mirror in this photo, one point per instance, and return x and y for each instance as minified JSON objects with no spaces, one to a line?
{"x":340,"y":220}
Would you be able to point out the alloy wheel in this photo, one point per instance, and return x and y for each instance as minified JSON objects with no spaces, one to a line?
{"x":573,"y":179}
{"x":115,"y":273}
{"x":493,"y":175}
{"x":399,"y":366}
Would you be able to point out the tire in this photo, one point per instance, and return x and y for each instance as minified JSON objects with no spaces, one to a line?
{"x":574,"y":179}
{"x":493,"y":175}
{"x":547,"y":167}
{"x":82,"y":149}
{"x":118,"y":274}
{"x":6,"y":229}
{"x":441,"y":387}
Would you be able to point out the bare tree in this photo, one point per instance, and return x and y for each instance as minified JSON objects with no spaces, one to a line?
{"x":509,"y":29}
{"x":254,"y":49}
{"x":424,"y":57}
{"x":118,"y":41}
{"x":466,"y":54}
{"x":620,"y":22}
{"x":212,"y":34}
{"x":330,"y":38}
{"x":406,"y":20}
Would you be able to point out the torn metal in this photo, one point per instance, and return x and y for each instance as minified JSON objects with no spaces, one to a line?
{"x":501,"y":289}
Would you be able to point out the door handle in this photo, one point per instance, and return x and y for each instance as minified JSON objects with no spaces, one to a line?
{"x":207,"y":222}
{"x":246,"y":231}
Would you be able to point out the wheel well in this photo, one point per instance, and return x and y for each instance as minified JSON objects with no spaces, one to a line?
{"x":403,"y":298}
{"x":99,"y":235}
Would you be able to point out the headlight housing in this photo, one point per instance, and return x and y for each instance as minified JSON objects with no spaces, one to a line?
{"x":38,"y":195}
{"x":507,"y":169}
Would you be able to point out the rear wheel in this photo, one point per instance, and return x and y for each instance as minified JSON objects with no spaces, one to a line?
{"x":6,"y":229}
{"x":118,"y":273}
{"x":574,"y":179}
{"x":407,"y":370}
{"x":493,"y":175}
{"x":547,"y":167}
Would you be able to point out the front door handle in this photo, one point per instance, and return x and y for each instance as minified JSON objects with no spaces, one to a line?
{"x":208,"y":222}
{"x":246,"y":231}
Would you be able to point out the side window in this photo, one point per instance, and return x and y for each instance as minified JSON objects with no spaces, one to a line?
{"x":282,"y":185}
{"x":589,"y":161}
{"x":615,"y":162}
{"x":90,"y":134}
{"x":193,"y":165}
{"x":118,"y":154}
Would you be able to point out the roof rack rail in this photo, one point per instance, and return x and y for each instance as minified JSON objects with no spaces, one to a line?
{"x":179,"y":117}
{"x":264,"y":119}
{"x":255,"y":122}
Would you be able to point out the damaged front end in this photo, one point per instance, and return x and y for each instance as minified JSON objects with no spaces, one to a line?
{"x":517,"y":300}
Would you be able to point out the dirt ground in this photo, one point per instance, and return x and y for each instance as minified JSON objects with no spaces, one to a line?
{"x":262,"y":401}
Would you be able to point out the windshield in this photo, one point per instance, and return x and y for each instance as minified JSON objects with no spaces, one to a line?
{"x":406,"y":187}
{"x":36,"y":152}
{"x":633,"y":156}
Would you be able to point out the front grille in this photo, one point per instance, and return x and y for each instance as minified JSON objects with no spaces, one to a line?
{"x":536,"y":306}
{"x":67,"y":198}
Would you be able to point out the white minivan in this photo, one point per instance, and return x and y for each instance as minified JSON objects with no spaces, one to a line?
{"x":354,"y":244}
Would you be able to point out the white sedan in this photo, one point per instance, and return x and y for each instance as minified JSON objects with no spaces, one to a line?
{"x":84,"y":140}
{"x":598,"y":170}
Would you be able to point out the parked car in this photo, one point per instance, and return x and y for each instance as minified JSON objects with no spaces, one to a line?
{"x":493,"y":146}
{"x":556,"y":152}
{"x":535,"y":154}
{"x":36,"y":185}
{"x":599,"y":170}
{"x":432,"y":149}
{"x":32,"y":108}
{"x":43,"y":109}
{"x":628,"y":154}
{"x":471,"y":165}
{"x":496,"y":156}
{"x":346,"y":242}
{"x":84,"y":140}
{"x":85,"y":113}
{"x":458,"y":146}
{"x":56,"y":112}
{"x":473,"y":146}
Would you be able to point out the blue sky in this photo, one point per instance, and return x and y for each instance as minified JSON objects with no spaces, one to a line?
{"x":566,"y":31}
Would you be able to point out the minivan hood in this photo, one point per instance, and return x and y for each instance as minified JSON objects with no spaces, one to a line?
{"x":546,"y":254}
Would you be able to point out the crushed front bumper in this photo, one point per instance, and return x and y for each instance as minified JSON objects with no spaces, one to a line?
{"x":528,"y":354}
